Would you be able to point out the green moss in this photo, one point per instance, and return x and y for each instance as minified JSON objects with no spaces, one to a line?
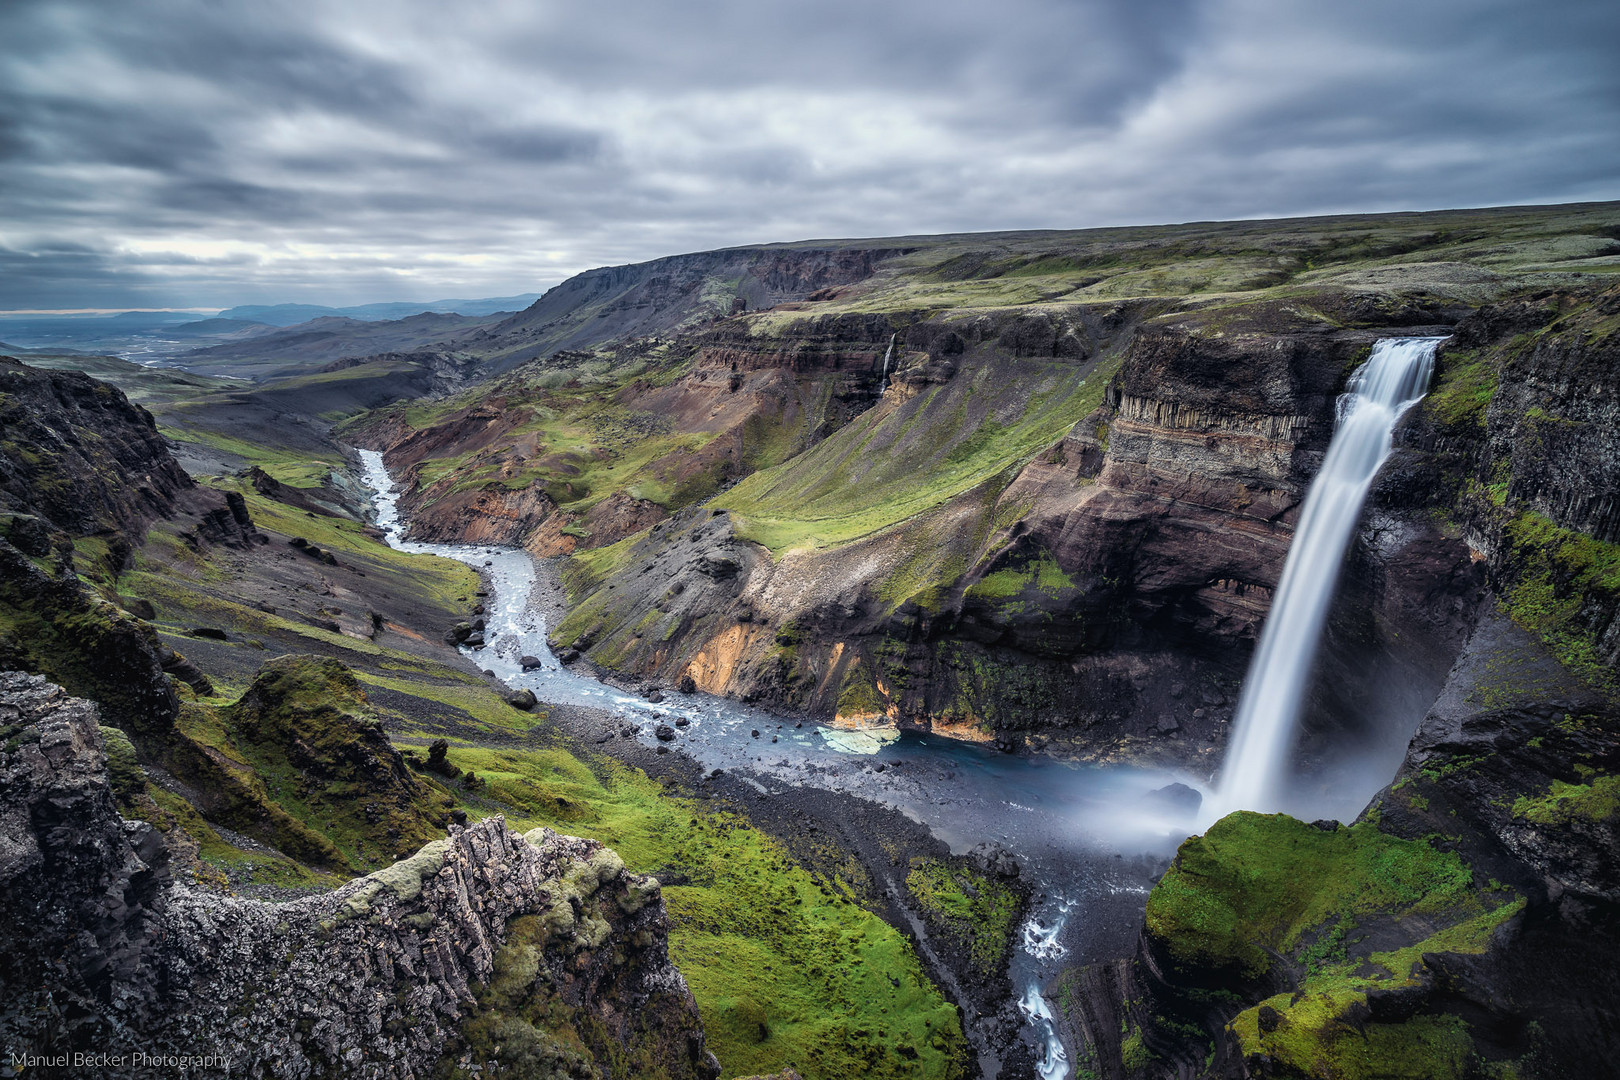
{"x":1563,"y":803}
{"x":1558,"y":571}
{"x":123,"y":770}
{"x":1316,"y":1037}
{"x":1042,"y":575}
{"x":977,"y":912}
{"x":1255,"y":883}
{"x":859,"y":695}
{"x":785,"y":968}
{"x":1133,"y":1054}
{"x":1467,"y":382}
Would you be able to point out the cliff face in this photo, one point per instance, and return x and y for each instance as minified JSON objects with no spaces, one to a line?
{"x":555,"y":467}
{"x":1424,"y":937}
{"x":83,"y":475}
{"x":1095,"y":592}
{"x":665,"y":295}
{"x":485,"y":948}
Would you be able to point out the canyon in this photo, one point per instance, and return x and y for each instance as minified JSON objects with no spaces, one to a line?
{"x":1027,"y":494}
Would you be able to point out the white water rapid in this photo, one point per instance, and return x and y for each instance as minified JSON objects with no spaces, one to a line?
{"x":1394,"y":377}
{"x":888,"y":354}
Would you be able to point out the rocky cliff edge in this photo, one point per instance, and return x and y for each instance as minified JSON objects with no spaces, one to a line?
{"x":484,"y":949}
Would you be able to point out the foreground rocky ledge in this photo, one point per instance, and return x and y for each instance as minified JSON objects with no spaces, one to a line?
{"x":485,"y":948}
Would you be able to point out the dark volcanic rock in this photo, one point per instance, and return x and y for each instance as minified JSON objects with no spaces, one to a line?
{"x":76,"y":453}
{"x":100,"y":947}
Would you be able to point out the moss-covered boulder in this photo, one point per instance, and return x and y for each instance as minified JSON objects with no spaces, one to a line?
{"x":301,"y":762}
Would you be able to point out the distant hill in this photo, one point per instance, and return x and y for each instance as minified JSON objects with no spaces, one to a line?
{"x":293,"y":314}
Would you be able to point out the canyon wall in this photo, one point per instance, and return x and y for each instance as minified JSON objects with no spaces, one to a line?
{"x":1419,"y":940}
{"x":1094,"y":591}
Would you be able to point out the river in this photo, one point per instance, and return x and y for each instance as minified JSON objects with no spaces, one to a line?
{"x":1089,"y":839}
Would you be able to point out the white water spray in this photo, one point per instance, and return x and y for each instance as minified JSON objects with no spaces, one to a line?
{"x":883,"y":384}
{"x":1394,"y":377}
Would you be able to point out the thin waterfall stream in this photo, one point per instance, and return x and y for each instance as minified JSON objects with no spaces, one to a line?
{"x":888,"y":354}
{"x":1254,"y":773}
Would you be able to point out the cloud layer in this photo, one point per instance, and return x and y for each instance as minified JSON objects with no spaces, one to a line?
{"x":213,"y":152}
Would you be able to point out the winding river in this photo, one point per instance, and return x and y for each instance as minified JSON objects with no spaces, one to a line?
{"x":1087,"y":838}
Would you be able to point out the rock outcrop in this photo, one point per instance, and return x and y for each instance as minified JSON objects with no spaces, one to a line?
{"x":87,"y":462}
{"x":484,"y":949}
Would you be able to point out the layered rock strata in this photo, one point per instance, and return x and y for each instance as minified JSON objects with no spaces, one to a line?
{"x":102,"y":952}
{"x":1101,"y":601}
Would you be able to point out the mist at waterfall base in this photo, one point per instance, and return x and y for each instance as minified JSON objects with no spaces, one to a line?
{"x":1255,"y":774}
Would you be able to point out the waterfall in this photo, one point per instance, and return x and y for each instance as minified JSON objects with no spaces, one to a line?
{"x":883,"y":384}
{"x":1394,"y":377}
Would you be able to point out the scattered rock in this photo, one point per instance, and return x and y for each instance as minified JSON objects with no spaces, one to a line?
{"x":664,"y":732}
{"x":994,"y":859}
{"x":1177,"y":797}
{"x":141,"y":609}
{"x":529,"y":662}
{"x":522,"y":699}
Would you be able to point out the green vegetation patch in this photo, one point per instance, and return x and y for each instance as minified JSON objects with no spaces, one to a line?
{"x":1255,"y":883}
{"x":1315,"y":1036}
{"x":1559,"y":571}
{"x":1596,"y":801}
{"x":888,"y":466}
{"x":787,"y":970}
{"x":978,"y":913}
{"x":1464,"y":390}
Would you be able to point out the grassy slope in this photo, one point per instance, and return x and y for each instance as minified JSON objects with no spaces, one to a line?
{"x":787,"y":969}
{"x":1347,"y":912}
{"x":888,"y":466}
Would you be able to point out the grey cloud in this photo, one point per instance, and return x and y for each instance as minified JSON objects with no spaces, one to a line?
{"x":200,"y":152}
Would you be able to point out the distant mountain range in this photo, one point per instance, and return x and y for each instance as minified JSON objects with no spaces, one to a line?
{"x":293,"y":314}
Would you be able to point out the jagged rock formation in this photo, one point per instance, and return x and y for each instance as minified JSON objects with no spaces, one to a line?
{"x":100,"y":951}
{"x":79,"y":463}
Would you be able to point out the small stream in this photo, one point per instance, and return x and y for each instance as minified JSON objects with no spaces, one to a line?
{"x":1090,"y":840}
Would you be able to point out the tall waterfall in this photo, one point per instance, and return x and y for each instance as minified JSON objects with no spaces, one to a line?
{"x":1394,"y":377}
{"x":888,"y":354}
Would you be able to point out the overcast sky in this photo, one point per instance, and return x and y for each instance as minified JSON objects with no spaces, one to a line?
{"x":159,"y":153}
